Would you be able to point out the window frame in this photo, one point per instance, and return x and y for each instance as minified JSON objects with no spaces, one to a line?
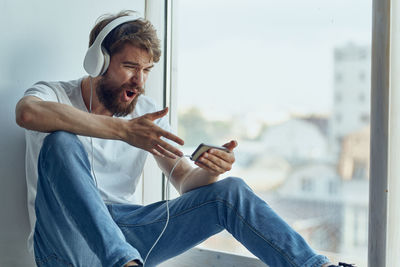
{"x":384,"y":215}
{"x":152,"y":181}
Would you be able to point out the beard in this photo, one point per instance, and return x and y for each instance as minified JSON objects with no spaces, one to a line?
{"x":109,"y":94}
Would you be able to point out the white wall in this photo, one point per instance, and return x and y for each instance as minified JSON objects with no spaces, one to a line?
{"x":40,"y":40}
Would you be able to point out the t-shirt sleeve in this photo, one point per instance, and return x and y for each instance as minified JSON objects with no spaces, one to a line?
{"x":42,"y":91}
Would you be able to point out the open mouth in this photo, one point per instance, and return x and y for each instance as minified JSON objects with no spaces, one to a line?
{"x":130,"y":93}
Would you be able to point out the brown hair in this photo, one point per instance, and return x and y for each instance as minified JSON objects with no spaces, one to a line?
{"x":140,"y":33}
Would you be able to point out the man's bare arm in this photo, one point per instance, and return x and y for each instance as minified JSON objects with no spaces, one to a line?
{"x":35,"y":114}
{"x":185,"y":177}
{"x":211,"y":165}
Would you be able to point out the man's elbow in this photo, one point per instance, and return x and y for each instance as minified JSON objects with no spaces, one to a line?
{"x":23,"y":114}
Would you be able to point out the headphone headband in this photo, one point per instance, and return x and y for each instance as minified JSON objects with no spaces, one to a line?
{"x":97,"y":59}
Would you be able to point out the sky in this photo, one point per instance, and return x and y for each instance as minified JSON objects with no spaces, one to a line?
{"x":263,"y":59}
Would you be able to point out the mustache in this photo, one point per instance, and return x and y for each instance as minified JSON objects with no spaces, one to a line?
{"x":133,"y":87}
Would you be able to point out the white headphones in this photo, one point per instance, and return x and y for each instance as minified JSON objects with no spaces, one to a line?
{"x":97,"y":58}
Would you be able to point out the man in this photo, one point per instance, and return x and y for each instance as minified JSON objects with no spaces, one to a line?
{"x":87,"y":141}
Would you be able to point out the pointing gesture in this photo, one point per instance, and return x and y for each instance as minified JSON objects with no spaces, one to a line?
{"x":143,"y":133}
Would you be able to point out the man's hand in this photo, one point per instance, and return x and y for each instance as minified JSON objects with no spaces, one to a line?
{"x":211,"y":164}
{"x":142,"y":132}
{"x":217,"y":161}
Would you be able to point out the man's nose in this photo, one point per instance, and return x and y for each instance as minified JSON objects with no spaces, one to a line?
{"x":138,"y":78}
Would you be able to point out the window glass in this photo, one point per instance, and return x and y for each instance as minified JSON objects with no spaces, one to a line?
{"x":284,"y":79}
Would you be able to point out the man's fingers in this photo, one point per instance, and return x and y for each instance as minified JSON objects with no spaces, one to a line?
{"x":231,"y":145}
{"x":211,"y":166}
{"x":164,"y":145}
{"x":165,"y":152}
{"x":147,"y":135}
{"x":205,"y":167}
{"x":155,"y":152}
{"x":156,"y":115}
{"x":223,"y":155}
{"x":220,"y":163}
{"x":173,"y":137}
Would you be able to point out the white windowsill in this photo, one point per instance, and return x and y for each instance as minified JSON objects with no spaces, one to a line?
{"x":199,"y":257}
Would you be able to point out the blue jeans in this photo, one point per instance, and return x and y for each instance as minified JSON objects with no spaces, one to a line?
{"x":76,"y":228}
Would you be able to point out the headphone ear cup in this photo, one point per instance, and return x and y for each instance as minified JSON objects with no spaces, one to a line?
{"x":94,"y":61}
{"x":97,"y":59}
{"x":106,"y":60}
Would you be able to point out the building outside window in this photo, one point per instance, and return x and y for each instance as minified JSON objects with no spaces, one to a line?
{"x":306,"y":185}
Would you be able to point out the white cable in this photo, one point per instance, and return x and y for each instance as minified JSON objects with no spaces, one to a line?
{"x":167,"y":207}
{"x":91,"y":139}
{"x":166,"y":190}
{"x":167,"y":185}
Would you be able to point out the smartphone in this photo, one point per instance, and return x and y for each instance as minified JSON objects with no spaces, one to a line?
{"x":203,"y":148}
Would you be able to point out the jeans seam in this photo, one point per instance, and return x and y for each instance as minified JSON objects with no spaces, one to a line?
{"x":110,"y":210}
{"x":272,"y":244}
{"x":282,"y":252}
{"x":228,"y":205}
{"x":171,"y":217}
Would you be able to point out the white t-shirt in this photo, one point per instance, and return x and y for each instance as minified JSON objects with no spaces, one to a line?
{"x":117,"y":165}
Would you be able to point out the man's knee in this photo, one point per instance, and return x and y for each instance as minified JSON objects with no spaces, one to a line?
{"x":59,"y":137}
{"x":232,"y":184}
{"x":61,"y":150}
{"x":60,"y":142}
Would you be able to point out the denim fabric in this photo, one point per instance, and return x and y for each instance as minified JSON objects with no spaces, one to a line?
{"x":75,"y":227}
